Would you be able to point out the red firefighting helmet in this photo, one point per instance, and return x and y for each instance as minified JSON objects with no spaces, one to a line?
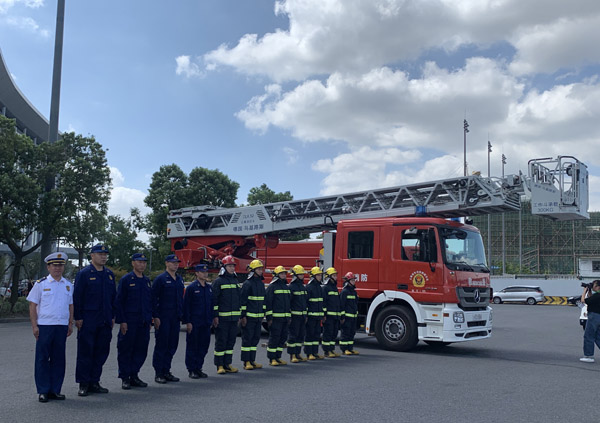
{"x":228,"y":260}
{"x":349,"y":276}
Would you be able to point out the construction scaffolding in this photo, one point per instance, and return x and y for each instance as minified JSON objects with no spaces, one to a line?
{"x":538,"y":245}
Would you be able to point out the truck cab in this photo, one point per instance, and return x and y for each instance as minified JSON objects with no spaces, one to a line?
{"x":417,"y":279}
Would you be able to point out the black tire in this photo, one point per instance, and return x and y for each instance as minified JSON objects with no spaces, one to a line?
{"x":437,"y":344}
{"x":531,"y":301}
{"x":497,"y":300}
{"x":396,"y":328}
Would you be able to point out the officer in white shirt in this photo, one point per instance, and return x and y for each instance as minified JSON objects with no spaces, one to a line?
{"x":51,"y":315}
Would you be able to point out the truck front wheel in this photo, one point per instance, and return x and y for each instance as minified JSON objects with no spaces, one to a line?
{"x":396,"y":328}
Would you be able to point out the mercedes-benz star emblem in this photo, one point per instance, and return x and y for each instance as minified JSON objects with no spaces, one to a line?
{"x":477,"y":296}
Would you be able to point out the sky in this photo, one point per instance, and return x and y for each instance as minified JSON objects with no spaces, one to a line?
{"x":316,"y":97}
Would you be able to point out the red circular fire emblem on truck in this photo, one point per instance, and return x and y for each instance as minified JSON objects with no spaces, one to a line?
{"x":418,"y":279}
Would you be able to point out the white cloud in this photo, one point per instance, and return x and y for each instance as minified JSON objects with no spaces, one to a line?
{"x":26,"y":23}
{"x":5,"y":5}
{"x":326,"y":36}
{"x":122,"y":199}
{"x":291,"y":154}
{"x":187,"y":68}
{"x":116,"y":176}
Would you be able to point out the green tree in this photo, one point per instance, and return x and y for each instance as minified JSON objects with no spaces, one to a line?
{"x":172,"y":189}
{"x":121,"y":240}
{"x":263,"y":195}
{"x":77,"y":167}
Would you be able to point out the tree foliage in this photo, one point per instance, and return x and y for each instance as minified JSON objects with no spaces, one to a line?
{"x":120,"y":237}
{"x":74,"y":167}
{"x":263,"y":195}
{"x":172,"y":189}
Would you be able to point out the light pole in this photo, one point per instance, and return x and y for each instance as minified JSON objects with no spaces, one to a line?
{"x":54,"y":108}
{"x":503,"y":234}
{"x":465,"y":130}
{"x":489,"y":225}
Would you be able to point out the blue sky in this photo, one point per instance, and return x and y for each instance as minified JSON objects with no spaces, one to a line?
{"x":315,"y":96}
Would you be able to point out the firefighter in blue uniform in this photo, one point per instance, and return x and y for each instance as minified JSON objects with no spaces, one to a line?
{"x":226,"y":315}
{"x":198,"y":317}
{"x":93,"y":301}
{"x":331,"y":309}
{"x":51,"y":314}
{"x":133,"y":308}
{"x":167,"y":311}
{"x":278,"y":314}
{"x":252,"y":308}
{"x":315,"y":314}
{"x":349,"y":304}
{"x":298,"y":309}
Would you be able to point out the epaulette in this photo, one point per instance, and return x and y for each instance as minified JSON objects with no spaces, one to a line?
{"x":41,"y":280}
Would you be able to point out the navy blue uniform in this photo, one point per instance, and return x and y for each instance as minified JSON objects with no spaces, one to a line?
{"x":197,"y":310}
{"x":331,"y":308}
{"x":315,"y":316}
{"x":226,"y":300}
{"x":298,"y":306}
{"x":167,"y":305}
{"x":93,"y":302}
{"x":277,"y":300}
{"x":349,"y":304}
{"x":252,"y":307}
{"x":133,"y":306}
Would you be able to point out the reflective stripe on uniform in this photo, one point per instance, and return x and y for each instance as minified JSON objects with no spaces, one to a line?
{"x":333,"y":313}
{"x":282,"y":315}
{"x":299,"y":292}
{"x":351,"y":297}
{"x":215,"y":308}
{"x":315,"y":313}
{"x":257,"y":315}
{"x":229,"y":285}
{"x":256,"y":298}
{"x":315,"y":300}
{"x":351,"y":314}
{"x":271,"y":350}
{"x":298,"y":313}
{"x":333,"y":293}
{"x":229,"y":313}
{"x":243,"y":308}
{"x":229,"y":352}
{"x":246,"y":348}
{"x":219,"y":353}
{"x":281,"y":291}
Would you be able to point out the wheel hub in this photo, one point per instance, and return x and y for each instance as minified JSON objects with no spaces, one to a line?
{"x":394,"y":328}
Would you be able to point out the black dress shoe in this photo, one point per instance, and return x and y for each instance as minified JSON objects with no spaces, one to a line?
{"x":54,"y":396}
{"x":125,"y":384}
{"x":136,"y":381}
{"x":201,"y":374}
{"x":170,"y":378}
{"x":160,"y":379}
{"x":43,"y":398}
{"x":194,"y":375}
{"x":83,"y":390}
{"x":97,"y":389}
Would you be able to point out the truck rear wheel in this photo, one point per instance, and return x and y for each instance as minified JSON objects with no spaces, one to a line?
{"x":396,"y":328}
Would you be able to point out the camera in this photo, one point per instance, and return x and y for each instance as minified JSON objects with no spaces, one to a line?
{"x":587,"y":285}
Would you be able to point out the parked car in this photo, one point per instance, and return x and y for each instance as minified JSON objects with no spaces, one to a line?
{"x":523,"y":294}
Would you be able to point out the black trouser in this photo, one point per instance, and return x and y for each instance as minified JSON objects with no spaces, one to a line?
{"x":196,"y":346}
{"x":50,"y":358}
{"x":225,"y":334}
{"x":250,"y":338}
{"x":348,"y":332}
{"x":165,"y":346}
{"x":331,"y":326}
{"x":313,"y":334}
{"x":277,"y":337}
{"x":132,"y":348}
{"x":93,"y":347}
{"x":296,"y":333}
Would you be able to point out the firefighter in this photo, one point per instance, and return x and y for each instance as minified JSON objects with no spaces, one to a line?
{"x":252,"y":308}
{"x":226,"y":300}
{"x":349,"y":306}
{"x":315,"y":314}
{"x":277,"y":301}
{"x":167,"y":310}
{"x":331,"y":309}
{"x":198,"y":317}
{"x":298,"y":306}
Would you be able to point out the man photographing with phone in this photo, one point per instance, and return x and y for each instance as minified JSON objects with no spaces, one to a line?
{"x":591,"y":296}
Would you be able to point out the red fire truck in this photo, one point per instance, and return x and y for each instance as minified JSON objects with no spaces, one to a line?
{"x":420,"y":275}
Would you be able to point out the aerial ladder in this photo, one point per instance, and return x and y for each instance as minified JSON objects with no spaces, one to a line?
{"x":557,"y":188}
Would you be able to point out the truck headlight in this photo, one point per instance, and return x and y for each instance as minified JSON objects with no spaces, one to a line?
{"x":458,"y":317}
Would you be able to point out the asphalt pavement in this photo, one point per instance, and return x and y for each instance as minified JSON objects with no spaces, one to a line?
{"x":529,"y":371}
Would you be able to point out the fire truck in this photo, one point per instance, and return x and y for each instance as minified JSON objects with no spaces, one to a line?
{"x":422,"y":274}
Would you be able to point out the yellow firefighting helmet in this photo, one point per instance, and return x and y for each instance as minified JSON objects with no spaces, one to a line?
{"x":279,"y":269}
{"x":330,"y":271}
{"x":255,"y":264}
{"x":298,"y":270}
{"x":316,"y":271}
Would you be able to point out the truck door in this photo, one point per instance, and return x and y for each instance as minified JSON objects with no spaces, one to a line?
{"x":417,"y":263}
{"x":360,"y":255}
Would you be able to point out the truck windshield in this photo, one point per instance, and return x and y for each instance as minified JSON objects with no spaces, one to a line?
{"x":463,"y":250}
